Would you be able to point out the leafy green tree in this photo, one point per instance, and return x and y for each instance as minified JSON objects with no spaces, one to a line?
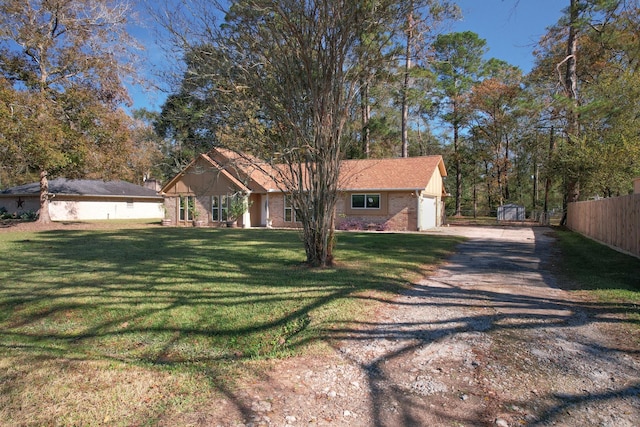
{"x":495,"y":100}
{"x":192,"y":118}
{"x":458,"y":65}
{"x":422,"y":18}
{"x":62,"y":64}
{"x":592,"y":54}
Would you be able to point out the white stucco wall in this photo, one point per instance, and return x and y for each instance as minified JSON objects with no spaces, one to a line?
{"x":61,"y":210}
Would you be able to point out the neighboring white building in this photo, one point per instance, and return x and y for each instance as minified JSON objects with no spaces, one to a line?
{"x":86,"y":200}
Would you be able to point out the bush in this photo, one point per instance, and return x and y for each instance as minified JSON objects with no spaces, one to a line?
{"x":23,"y":216}
{"x":5,"y":214}
{"x":354,"y":224}
{"x":351,"y":225}
{"x":29,"y":216}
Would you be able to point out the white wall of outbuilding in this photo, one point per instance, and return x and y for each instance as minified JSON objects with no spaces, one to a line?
{"x":65,"y":210}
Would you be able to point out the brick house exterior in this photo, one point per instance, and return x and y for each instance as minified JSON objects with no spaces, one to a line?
{"x":401,"y":194}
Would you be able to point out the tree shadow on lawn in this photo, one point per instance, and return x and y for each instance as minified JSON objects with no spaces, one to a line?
{"x":152,"y":303}
{"x":161,"y":271}
{"x":172,"y":297}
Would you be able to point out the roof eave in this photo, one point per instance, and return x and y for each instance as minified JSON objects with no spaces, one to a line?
{"x":382,"y":189}
{"x":103,"y":196}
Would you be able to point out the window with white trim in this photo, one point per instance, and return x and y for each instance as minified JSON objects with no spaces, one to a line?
{"x":365,"y":201}
{"x":219,"y":207}
{"x":187,"y":206}
{"x":289,"y":210}
{"x":215,"y":208}
{"x":224,"y":205}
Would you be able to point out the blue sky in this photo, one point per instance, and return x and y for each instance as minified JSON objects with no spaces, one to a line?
{"x":511,"y":28}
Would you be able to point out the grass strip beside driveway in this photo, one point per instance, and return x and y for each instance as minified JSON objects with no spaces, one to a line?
{"x":598,"y":271}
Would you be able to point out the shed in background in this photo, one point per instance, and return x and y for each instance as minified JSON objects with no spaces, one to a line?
{"x":511,"y":212}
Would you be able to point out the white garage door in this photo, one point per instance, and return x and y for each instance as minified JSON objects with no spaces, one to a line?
{"x":427,"y":214}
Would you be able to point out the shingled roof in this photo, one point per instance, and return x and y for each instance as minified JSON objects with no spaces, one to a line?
{"x":84,"y":187}
{"x":396,"y":174}
{"x":411,"y":173}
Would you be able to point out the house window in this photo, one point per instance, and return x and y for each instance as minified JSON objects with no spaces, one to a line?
{"x":219,"y":206}
{"x":215,"y":208}
{"x":289,"y":211}
{"x":224,"y":203}
{"x":365,"y":201}
{"x":187,"y":205}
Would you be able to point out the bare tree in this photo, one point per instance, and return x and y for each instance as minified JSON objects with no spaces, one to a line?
{"x":287,"y":74}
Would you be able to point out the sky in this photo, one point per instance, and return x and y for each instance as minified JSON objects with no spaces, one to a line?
{"x":510,"y":27}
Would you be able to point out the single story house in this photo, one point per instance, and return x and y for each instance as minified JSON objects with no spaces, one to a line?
{"x":82,"y":199}
{"x":386,"y":194}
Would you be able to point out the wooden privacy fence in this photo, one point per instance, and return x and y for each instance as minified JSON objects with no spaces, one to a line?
{"x":614,"y":221}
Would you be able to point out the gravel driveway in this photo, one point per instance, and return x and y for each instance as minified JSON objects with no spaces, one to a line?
{"x":489,"y":339}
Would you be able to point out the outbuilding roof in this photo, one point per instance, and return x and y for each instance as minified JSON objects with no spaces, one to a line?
{"x":83,"y":187}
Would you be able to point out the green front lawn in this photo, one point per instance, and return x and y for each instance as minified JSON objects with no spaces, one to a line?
{"x":136,"y":326}
{"x":192,"y":296}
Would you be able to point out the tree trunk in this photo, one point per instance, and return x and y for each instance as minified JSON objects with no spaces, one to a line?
{"x":572,"y":188}
{"x":315,"y":198}
{"x":487,"y":173}
{"x":365,"y":109}
{"x":505,"y":167}
{"x":44,"y":217}
{"x":475,"y":198}
{"x":405,"y":87}
{"x":547,"y":182}
{"x":458,"y":162}
{"x":319,"y":244}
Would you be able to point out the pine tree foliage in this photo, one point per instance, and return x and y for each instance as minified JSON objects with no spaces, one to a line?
{"x":274,"y":79}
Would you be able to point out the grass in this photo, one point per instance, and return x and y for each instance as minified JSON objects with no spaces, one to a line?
{"x":127,"y":326}
{"x":185,"y":295}
{"x":605,"y":274}
{"x":96,"y":317}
